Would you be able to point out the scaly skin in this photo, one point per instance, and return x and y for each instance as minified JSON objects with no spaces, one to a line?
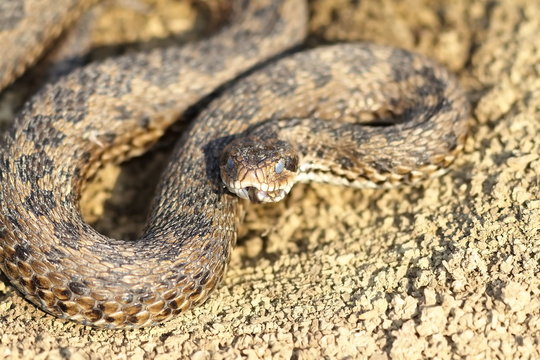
{"x":109,"y":111}
{"x":27,"y":27}
{"x":115,"y":109}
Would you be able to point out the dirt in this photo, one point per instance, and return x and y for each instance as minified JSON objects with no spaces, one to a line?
{"x":445,"y":270}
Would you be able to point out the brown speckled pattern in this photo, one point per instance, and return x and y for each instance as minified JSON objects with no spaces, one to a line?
{"x":115,"y":109}
{"x":27,"y":27}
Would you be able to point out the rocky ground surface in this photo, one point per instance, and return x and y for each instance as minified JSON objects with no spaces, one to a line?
{"x":445,"y":270}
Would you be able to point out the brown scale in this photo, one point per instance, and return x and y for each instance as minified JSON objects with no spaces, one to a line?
{"x":115,"y":109}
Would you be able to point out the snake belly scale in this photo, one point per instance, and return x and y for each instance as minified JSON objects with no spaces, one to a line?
{"x":116,"y":109}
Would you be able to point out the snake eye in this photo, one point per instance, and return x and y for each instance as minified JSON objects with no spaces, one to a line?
{"x":230,"y":168}
{"x":280,"y":166}
{"x":229,"y":165}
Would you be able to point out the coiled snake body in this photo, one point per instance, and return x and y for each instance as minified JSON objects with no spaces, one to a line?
{"x":308,"y":111}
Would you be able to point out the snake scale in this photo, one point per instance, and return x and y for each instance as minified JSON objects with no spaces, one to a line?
{"x":353,"y":114}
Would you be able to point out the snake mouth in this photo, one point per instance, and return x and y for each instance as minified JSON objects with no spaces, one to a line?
{"x":258,"y":195}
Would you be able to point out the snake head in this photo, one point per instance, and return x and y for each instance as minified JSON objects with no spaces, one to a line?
{"x":261,"y":170}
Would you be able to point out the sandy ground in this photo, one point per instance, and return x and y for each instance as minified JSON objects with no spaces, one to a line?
{"x":446,"y":270}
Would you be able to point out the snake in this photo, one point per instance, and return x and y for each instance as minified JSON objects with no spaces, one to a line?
{"x":275,"y":113}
